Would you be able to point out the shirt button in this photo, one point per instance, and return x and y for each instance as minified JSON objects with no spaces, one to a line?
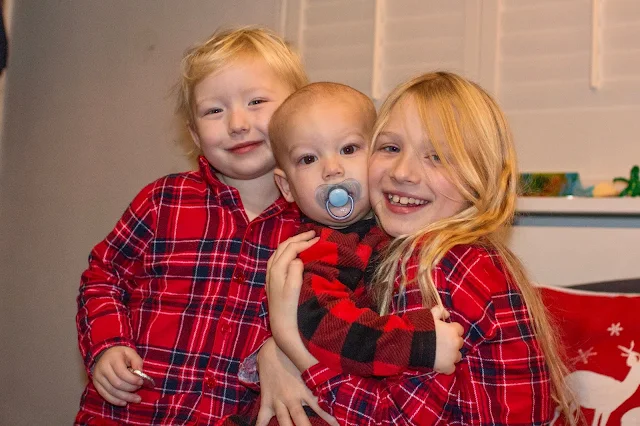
{"x":210,"y":382}
{"x":224,"y":328}
{"x":239,"y":276}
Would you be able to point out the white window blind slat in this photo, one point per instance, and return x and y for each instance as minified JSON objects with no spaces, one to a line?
{"x":544,"y":16}
{"x":342,"y":58}
{"x":621,"y":11}
{"x":340,"y":11}
{"x":402,"y":8}
{"x":561,"y":41}
{"x":338,"y":34}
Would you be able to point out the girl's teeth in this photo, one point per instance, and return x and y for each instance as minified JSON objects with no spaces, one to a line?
{"x":405,"y":200}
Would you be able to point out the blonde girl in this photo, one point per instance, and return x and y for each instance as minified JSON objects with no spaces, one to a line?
{"x":443,"y":183}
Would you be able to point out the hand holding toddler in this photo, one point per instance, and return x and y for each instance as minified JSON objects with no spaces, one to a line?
{"x":448,"y":341}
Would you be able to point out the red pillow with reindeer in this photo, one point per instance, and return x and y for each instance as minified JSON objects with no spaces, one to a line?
{"x":601,"y":335}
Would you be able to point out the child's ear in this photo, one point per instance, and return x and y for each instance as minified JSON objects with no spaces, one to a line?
{"x":194,"y":134}
{"x":283,"y":184}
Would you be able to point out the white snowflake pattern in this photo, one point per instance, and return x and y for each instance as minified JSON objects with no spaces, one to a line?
{"x":583,"y":356}
{"x":615,"y":329}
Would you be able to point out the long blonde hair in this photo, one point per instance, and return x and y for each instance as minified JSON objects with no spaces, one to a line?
{"x":481,"y":162}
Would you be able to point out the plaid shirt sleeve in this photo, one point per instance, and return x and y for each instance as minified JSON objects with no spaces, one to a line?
{"x":336,"y":322}
{"x":103,"y":317}
{"x":502,"y":379}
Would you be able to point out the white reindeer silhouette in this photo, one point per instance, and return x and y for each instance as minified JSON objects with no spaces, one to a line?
{"x":603,"y":393}
{"x":631,"y":417}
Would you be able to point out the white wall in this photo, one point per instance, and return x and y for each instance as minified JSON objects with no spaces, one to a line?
{"x":87,"y":123}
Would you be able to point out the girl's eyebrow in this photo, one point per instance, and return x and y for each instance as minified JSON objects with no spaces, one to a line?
{"x":387,"y":133}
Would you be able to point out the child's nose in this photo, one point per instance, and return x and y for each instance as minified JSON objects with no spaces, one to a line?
{"x":404,"y":169}
{"x":332,"y":168}
{"x":238,"y":122}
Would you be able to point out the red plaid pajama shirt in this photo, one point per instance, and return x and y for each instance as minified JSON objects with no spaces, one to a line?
{"x":335,"y":318}
{"x":180,"y":279}
{"x":502,"y":379}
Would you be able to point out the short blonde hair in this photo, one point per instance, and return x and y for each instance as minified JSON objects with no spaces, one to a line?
{"x":226,"y":46}
{"x":301,"y":100}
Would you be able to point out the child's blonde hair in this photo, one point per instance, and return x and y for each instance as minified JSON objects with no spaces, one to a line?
{"x":481,"y":161}
{"x":226,"y":46}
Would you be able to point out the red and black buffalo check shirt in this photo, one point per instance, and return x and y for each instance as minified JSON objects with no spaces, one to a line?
{"x":336,"y":320}
{"x":181,"y":280}
{"x":503,"y":378}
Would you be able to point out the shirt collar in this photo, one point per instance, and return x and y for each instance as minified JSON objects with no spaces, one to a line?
{"x":218,"y":187}
{"x":209,"y":174}
{"x":363,"y":225}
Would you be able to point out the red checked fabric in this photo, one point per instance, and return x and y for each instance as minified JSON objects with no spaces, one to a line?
{"x":501,"y":380}
{"x":601,"y":333}
{"x":335,"y":317}
{"x":181,"y":279}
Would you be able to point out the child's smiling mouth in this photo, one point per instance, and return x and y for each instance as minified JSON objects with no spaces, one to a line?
{"x":243,"y":148}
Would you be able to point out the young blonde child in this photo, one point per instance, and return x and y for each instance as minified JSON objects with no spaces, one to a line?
{"x":442,"y":182}
{"x":175,"y":291}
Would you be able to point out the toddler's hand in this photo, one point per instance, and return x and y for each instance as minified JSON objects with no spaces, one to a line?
{"x":112,"y":378}
{"x":448,"y":341}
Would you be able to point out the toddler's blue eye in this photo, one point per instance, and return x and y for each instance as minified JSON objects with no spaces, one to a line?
{"x":257,"y":101}
{"x":435,"y":158}
{"x":213,"y":111}
{"x":390,"y":148}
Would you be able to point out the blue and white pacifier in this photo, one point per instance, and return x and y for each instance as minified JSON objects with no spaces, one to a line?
{"x":339,"y":197}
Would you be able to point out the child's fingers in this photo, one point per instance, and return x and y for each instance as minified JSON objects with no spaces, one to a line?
{"x":304,"y":236}
{"x":264,"y":415}
{"x":278,"y":268}
{"x":107,"y":396}
{"x":313,"y":403}
{"x":123,"y":380}
{"x":116,"y":389}
{"x":300,"y":238}
{"x":282,"y":414}
{"x":298,"y":415}
{"x":439,"y":312}
{"x":459,"y":329}
{"x":126,"y":380}
{"x":127,"y":397}
{"x":134,"y":360}
{"x":291,"y":250}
